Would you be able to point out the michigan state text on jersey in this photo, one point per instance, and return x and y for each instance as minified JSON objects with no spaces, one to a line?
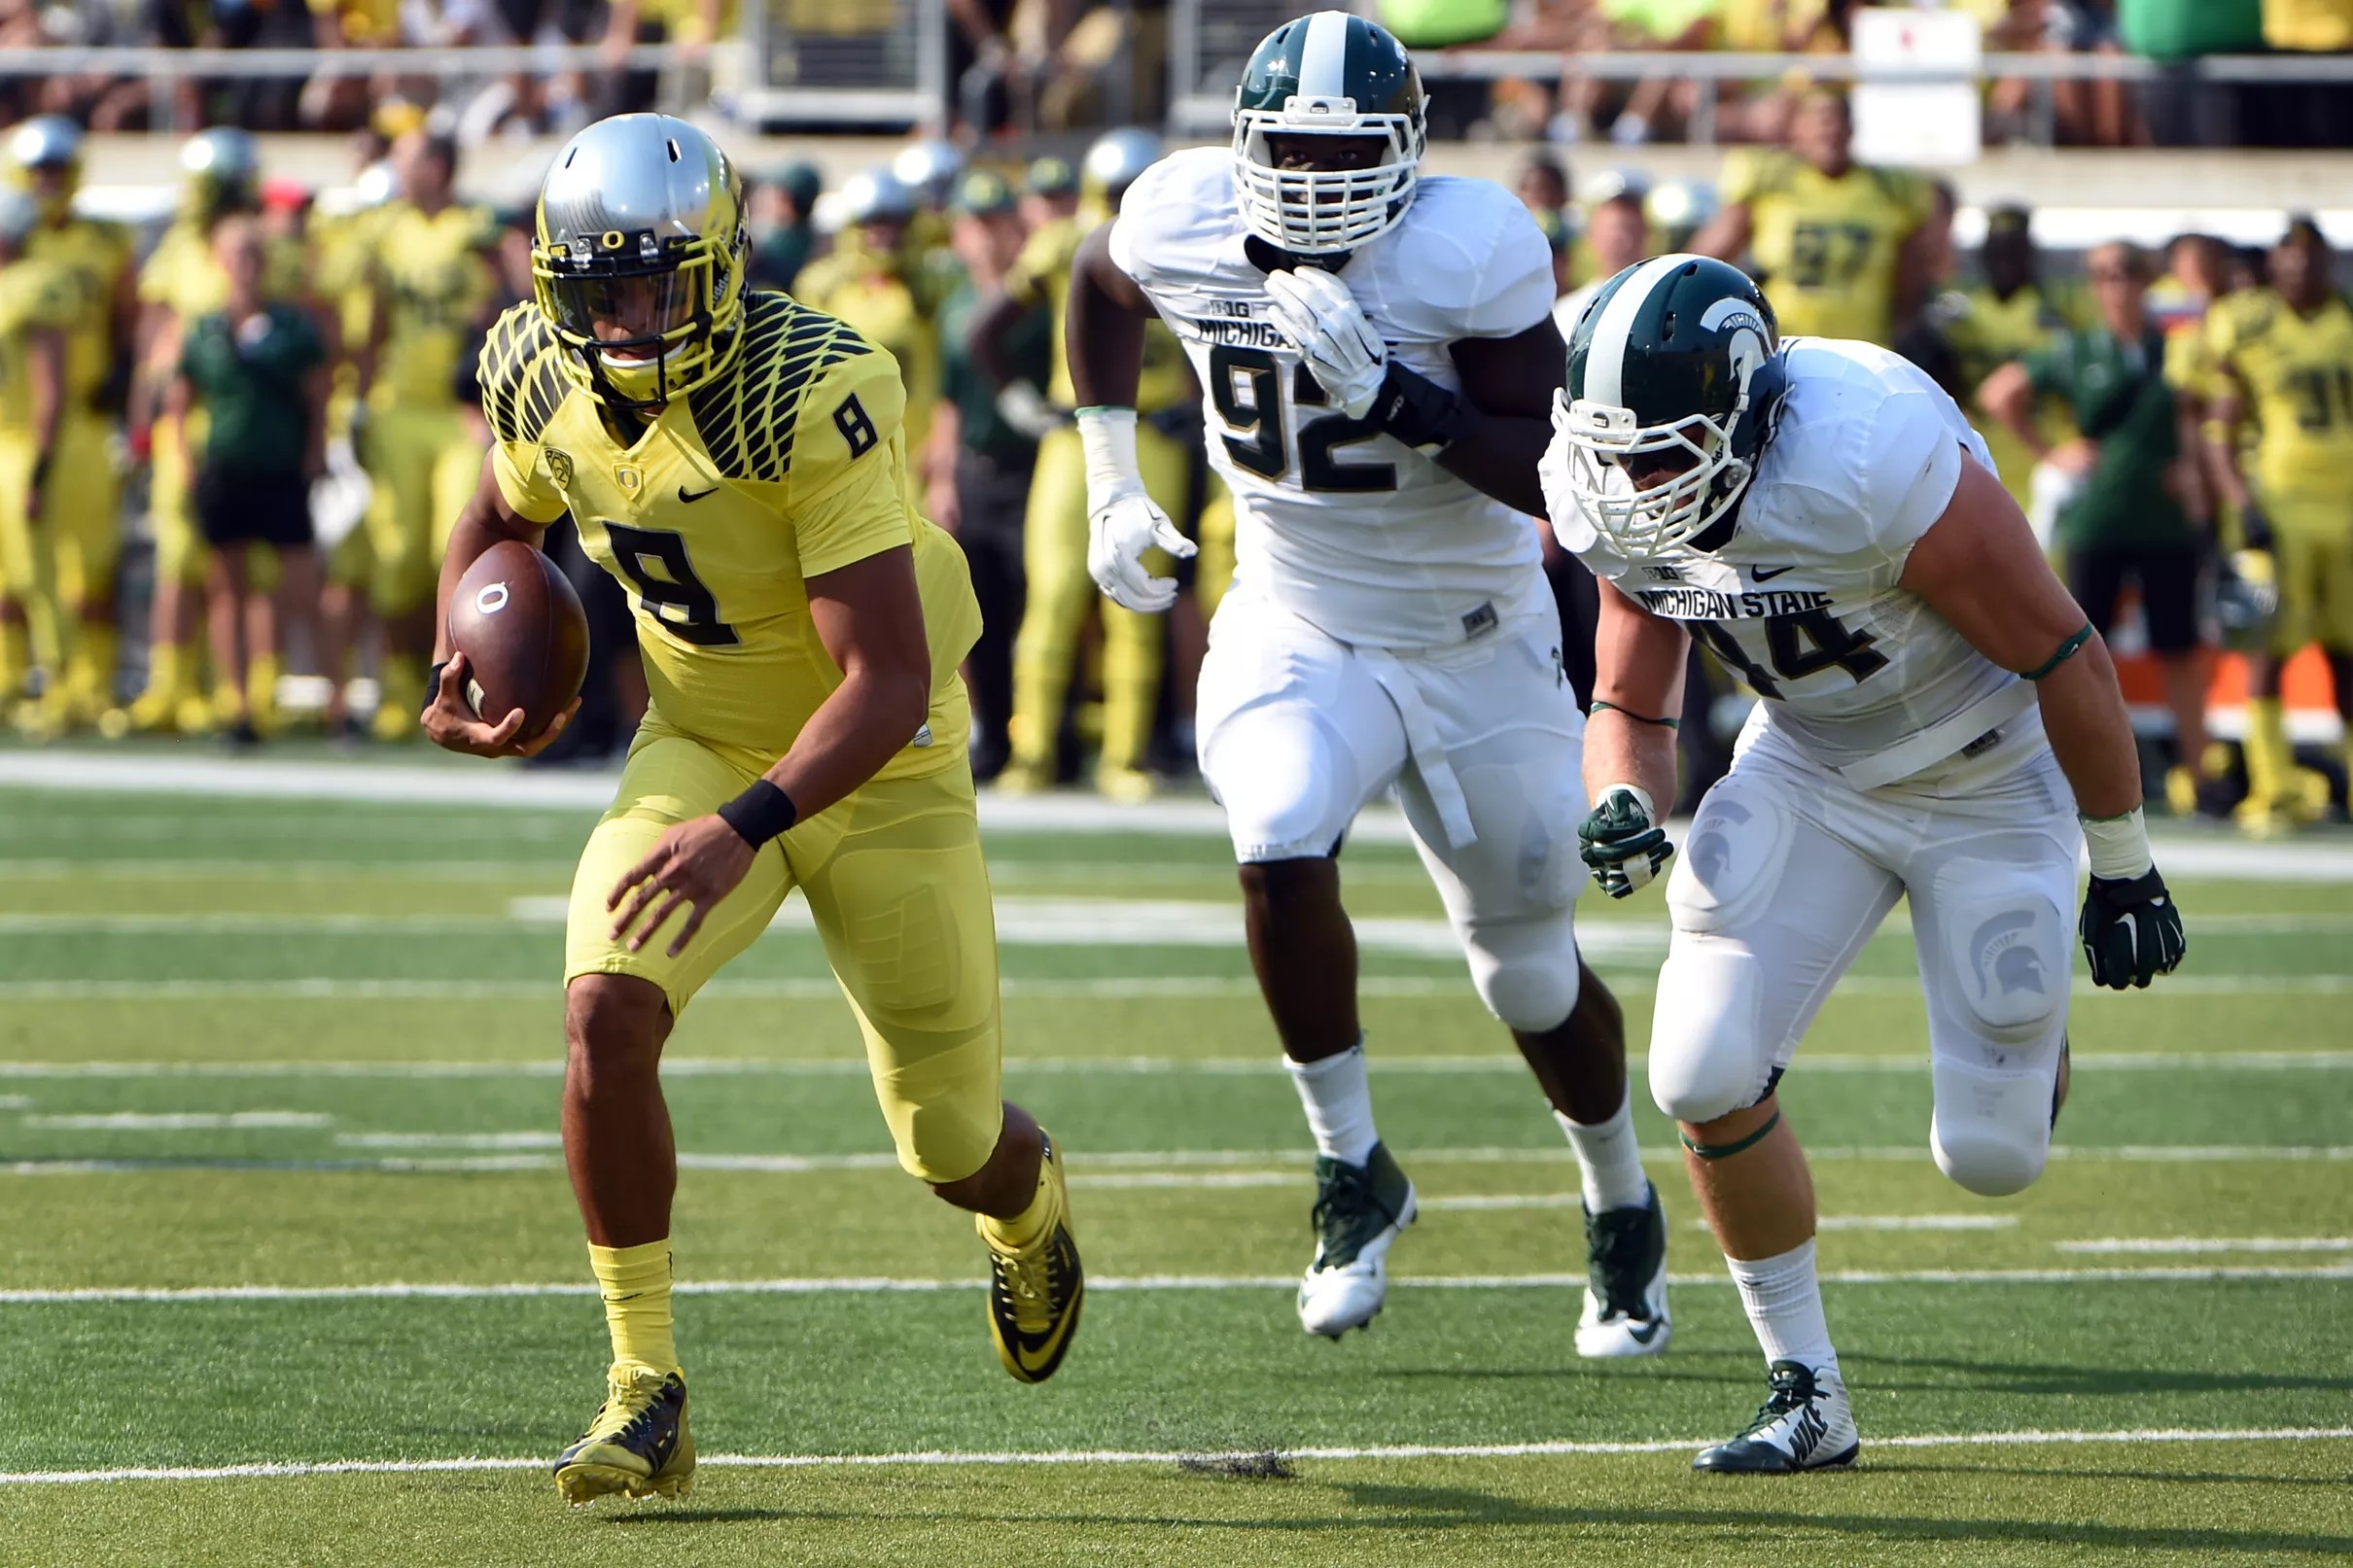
{"x":1378,"y":352}
{"x":1936,"y":713}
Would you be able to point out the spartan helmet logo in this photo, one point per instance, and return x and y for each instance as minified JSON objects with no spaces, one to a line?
{"x":1709,"y":853}
{"x":2006,"y":957}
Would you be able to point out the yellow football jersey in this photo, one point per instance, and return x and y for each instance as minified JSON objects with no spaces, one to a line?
{"x":93,"y":255}
{"x":1986,"y":332}
{"x":436,"y":283}
{"x":33,"y":295}
{"x":2295,"y":374}
{"x":882,"y":308}
{"x":793,"y":463}
{"x":182,"y":275}
{"x":1041,"y":276}
{"x":1827,"y":248}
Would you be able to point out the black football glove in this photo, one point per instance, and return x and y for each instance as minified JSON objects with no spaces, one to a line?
{"x":2131,"y":932}
{"x":1622,"y":843}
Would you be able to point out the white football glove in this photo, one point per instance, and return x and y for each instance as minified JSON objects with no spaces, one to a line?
{"x":1021,"y":406}
{"x":1322,"y":320}
{"x":1123,"y":522}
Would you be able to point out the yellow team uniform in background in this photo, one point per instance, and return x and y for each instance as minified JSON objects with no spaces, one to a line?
{"x":343,"y":276}
{"x":1054,"y":541}
{"x":875,"y":297}
{"x":421,"y":450}
{"x":1986,"y":332}
{"x":791,"y":464}
{"x":181,"y":276}
{"x":34,"y":296}
{"x":1827,"y":248}
{"x":81,"y":508}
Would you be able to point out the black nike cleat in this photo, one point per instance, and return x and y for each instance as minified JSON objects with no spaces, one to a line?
{"x":1805,"y":1424}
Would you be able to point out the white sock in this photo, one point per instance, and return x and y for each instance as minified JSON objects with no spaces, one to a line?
{"x":1609,"y":1158}
{"x":1785,"y":1302}
{"x":1339,"y":1104}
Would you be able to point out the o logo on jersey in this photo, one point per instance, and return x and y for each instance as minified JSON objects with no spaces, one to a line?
{"x":492,"y":598}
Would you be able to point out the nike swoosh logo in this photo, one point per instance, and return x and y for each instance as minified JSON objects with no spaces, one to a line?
{"x":691,"y":497}
{"x":1766,"y":574}
{"x":1645,"y":1333}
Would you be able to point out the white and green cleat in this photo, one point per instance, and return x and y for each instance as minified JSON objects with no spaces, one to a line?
{"x":1359,"y":1210}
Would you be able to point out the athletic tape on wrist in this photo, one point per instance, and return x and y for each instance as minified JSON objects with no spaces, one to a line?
{"x":1107,"y":437}
{"x":2117,"y":847}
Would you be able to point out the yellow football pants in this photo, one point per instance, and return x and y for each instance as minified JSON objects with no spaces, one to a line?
{"x":895,"y":880}
{"x":1214,"y":567}
{"x":424,"y":464}
{"x":82,"y":511}
{"x":180,"y":553}
{"x":1054,"y":557}
{"x":2312,"y":554}
{"x":28,"y":571}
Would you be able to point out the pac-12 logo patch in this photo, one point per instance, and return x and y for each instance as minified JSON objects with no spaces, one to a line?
{"x":559,"y":466}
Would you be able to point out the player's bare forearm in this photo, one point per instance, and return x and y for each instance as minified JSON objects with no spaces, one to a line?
{"x":485,"y":520}
{"x":1509,"y":384}
{"x":869,"y":616}
{"x":1638,"y":664}
{"x":1104,"y":328}
{"x":2008,"y":394}
{"x":1978,"y":565}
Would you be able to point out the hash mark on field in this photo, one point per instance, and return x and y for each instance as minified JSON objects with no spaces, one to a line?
{"x":2192,"y":1243}
{"x":886,"y":1285}
{"x":1129,"y":1456}
{"x":179,"y":1121}
{"x":535,"y":1139}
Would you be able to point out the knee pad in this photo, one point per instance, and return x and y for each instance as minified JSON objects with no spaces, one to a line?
{"x":1991,"y":1129}
{"x":1525,"y":969}
{"x":1706,"y":1056}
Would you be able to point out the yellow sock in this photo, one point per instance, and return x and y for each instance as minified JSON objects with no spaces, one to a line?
{"x":168,"y":671}
{"x":404,"y":681}
{"x":89,"y":673}
{"x":2270,"y":760}
{"x":15,"y":658}
{"x":1031,"y":1223}
{"x":262,"y":687}
{"x":635,"y":1282}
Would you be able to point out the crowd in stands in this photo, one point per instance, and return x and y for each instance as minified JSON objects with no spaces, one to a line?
{"x":273,"y":401}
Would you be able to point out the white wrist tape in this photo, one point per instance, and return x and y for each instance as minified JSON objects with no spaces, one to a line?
{"x":1642,"y":797}
{"x":1107,"y":437}
{"x":2119,"y":847}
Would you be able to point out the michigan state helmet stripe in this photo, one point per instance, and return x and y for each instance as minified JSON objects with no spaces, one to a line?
{"x":1613,"y":329}
{"x":1323,"y":56}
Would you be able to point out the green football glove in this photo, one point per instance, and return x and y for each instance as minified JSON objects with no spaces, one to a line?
{"x":2131,"y":932}
{"x":1623,"y":841}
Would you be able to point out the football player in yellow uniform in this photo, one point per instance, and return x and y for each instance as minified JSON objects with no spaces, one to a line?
{"x":872,"y":280}
{"x":2007,"y":317}
{"x":1839,"y":247}
{"x":2283,"y":356}
{"x":1054,"y":541}
{"x":221,"y":174}
{"x":433,"y":284}
{"x":738,"y":463}
{"x":36,"y":309}
{"x":82,"y":503}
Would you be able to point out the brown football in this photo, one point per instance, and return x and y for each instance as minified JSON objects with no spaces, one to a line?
{"x":524,"y":635}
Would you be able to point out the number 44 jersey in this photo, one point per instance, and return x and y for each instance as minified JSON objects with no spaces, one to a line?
{"x":1364,"y":538}
{"x":1801,"y":600}
{"x":788,"y":465}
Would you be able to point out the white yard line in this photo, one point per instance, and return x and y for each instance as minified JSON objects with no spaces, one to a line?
{"x":1255,"y":1066}
{"x":2198,"y":1244}
{"x":890,"y":1285}
{"x":1366,"y":1453}
{"x":180,"y":1122}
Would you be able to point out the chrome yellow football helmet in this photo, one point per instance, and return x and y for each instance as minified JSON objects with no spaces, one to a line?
{"x":638,"y":260}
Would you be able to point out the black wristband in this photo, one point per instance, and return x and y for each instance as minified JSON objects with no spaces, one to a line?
{"x":759,"y":814}
{"x":432,"y":684}
{"x":1419,"y":411}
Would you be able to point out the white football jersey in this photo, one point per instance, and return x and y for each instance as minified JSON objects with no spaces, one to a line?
{"x":1803,"y":602}
{"x":1362,"y":537}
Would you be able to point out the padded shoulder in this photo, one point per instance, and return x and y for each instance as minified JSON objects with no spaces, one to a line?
{"x":520,"y":374}
{"x":747,"y":414}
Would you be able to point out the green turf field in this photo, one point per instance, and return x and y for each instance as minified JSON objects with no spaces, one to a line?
{"x":292,"y":1275}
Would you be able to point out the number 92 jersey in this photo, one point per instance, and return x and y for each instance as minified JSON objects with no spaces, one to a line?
{"x":789,"y":464}
{"x":1801,"y":600}
{"x":1357,"y":533}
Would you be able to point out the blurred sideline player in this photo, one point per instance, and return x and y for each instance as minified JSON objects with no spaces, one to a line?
{"x":2283,"y":356}
{"x":1840,"y":248}
{"x":1380,"y":355}
{"x":37,"y":311}
{"x":2011,"y":314}
{"x":221,"y":175}
{"x":82,"y":503}
{"x":738,"y":463}
{"x":1054,"y":548}
{"x":432,"y":280}
{"x":873,"y":280}
{"x":1938,"y":715}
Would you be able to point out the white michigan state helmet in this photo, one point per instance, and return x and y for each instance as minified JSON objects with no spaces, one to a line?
{"x":639,"y":260}
{"x":1335,"y":75}
{"x":1674,"y":371}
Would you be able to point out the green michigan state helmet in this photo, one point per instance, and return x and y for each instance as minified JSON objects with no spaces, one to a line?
{"x":1673,"y":375}
{"x":1337,"y":75}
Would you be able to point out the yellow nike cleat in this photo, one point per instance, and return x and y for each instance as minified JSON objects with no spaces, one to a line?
{"x":638,"y":1444}
{"x":1035,"y":1292}
{"x":1128,"y":786}
{"x":1020,"y":778}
